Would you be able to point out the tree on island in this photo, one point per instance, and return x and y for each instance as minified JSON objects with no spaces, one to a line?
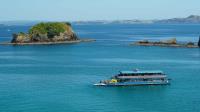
{"x":199,"y":42}
{"x":50,"y":29}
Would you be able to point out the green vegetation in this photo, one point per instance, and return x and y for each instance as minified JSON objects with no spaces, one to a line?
{"x":21,"y":34}
{"x":50,"y":29}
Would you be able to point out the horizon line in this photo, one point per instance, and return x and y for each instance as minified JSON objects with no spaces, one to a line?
{"x":91,"y":20}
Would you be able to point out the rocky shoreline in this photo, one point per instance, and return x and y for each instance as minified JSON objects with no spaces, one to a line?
{"x":167,"y":43}
{"x":49,"y":43}
{"x":164,"y":45}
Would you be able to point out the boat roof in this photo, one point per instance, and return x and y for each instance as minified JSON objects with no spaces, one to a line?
{"x":140,"y":72}
{"x":142,"y":77}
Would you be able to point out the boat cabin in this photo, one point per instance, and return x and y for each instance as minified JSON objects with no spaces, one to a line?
{"x":139,"y":73}
{"x":125,"y":76}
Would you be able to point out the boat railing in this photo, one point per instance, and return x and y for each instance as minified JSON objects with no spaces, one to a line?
{"x":145,"y":76}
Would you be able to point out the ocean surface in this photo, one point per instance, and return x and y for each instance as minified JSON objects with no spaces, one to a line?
{"x":60,"y":78}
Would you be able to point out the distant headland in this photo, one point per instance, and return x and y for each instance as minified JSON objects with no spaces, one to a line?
{"x":192,"y":19}
{"x":47,"y":33}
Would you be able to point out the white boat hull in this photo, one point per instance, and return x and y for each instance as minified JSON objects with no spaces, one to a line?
{"x":133,"y":83}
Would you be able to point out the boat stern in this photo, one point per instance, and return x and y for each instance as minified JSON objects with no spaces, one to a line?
{"x":99,"y":84}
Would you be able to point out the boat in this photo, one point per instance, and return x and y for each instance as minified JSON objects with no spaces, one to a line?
{"x":136,"y":77}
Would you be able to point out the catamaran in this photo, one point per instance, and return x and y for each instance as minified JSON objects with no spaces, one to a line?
{"x":136,"y":77}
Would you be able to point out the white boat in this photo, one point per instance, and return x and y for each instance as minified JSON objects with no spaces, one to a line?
{"x":136,"y":77}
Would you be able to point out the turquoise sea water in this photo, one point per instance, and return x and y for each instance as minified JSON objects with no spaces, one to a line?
{"x":59,"y":78}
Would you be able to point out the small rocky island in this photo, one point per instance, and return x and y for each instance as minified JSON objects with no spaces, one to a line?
{"x":168,"y":43}
{"x":47,"y":33}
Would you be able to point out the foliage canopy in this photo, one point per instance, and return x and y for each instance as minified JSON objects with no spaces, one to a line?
{"x":51,"y":29}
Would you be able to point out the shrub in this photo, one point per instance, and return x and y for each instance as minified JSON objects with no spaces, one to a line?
{"x":51,"y":29}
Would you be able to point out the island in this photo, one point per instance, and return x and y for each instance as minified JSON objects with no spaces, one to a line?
{"x":167,"y":43}
{"x":47,"y":33}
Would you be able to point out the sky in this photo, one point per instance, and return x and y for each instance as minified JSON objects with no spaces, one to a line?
{"x":83,"y":10}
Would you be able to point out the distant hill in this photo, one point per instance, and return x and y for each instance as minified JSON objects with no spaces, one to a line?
{"x":193,"y":19}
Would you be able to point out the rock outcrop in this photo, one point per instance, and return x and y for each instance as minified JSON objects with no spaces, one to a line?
{"x":47,"y":32}
{"x":20,"y":38}
{"x":172,"y":41}
{"x":168,"y":43}
{"x":199,"y":42}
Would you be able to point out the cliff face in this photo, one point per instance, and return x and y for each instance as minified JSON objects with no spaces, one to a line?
{"x":21,"y":38}
{"x":46,"y":32}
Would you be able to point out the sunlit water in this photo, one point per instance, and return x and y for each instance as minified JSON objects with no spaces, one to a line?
{"x":59,"y":78}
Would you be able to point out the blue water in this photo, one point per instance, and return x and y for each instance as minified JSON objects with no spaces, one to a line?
{"x":59,"y":78}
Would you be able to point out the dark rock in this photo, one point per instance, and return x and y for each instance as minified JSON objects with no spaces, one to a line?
{"x":199,"y":42}
{"x":39,"y":38}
